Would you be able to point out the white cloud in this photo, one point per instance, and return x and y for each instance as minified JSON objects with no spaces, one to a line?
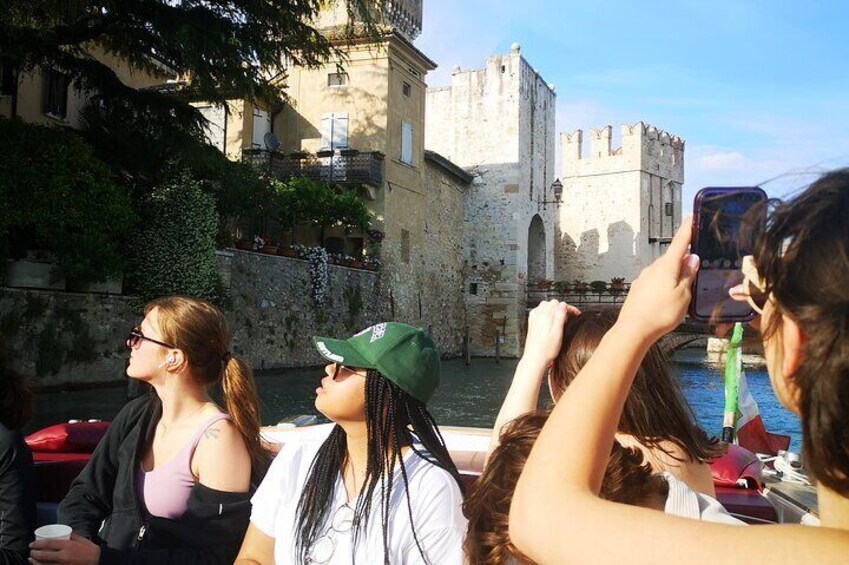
{"x":780,"y":169}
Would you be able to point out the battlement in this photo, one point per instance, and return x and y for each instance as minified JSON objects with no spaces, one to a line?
{"x":643,"y":147}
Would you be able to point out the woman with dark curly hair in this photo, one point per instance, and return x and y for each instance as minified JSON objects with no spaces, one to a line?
{"x":17,"y":478}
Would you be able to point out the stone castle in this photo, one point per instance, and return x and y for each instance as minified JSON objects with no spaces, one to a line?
{"x":619,"y":207}
{"x":498,"y":124}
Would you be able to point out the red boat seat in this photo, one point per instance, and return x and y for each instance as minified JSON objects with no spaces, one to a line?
{"x":60,"y":452}
{"x":76,"y":437}
{"x":739,"y":467}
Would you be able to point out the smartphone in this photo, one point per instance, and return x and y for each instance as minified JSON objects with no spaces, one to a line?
{"x":726,"y":221}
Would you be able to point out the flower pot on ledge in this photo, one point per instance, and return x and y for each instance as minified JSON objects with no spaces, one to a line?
{"x":244,"y":245}
{"x":356,"y":264}
{"x":287,"y":252}
{"x":326,"y":153}
{"x":269,"y":249}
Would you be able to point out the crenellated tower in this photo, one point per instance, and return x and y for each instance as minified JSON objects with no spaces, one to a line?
{"x":621,"y":206}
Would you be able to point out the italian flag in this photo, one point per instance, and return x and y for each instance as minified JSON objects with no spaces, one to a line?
{"x":743,"y":423}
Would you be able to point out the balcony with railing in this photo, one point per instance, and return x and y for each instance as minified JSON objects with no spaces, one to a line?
{"x":346,"y":167}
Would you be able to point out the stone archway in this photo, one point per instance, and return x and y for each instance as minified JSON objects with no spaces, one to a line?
{"x":536,"y":251}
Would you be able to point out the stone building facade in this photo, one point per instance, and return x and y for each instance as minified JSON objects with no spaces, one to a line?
{"x":498,"y":124}
{"x":621,"y":206}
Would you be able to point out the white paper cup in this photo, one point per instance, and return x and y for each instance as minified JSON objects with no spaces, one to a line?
{"x":53,"y":531}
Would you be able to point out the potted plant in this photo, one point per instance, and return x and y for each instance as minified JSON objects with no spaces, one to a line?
{"x":349,"y":152}
{"x":617,"y":284}
{"x":598,"y":286}
{"x":561,"y":287}
{"x":287,"y":251}
{"x":579,"y":286}
{"x":372,"y":263}
{"x":324,"y":153}
{"x":375,"y":235}
{"x":268,"y":245}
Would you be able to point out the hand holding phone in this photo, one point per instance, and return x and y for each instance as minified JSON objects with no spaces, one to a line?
{"x":725,"y":224}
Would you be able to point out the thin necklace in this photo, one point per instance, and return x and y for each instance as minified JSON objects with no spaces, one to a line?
{"x":165,"y":426}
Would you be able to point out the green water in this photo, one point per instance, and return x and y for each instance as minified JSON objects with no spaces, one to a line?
{"x":467,"y":396}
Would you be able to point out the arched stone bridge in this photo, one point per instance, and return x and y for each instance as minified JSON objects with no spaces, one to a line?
{"x":689,"y":333}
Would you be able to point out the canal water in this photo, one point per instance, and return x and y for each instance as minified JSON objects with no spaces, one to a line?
{"x":468,"y":396}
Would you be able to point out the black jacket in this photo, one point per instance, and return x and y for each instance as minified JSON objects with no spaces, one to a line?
{"x":17,"y":498}
{"x":210,"y":531}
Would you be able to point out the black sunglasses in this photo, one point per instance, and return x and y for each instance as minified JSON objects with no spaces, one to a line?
{"x":136,"y":336}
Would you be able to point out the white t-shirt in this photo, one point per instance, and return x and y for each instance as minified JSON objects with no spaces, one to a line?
{"x":687,"y":503}
{"x":435,"y":499}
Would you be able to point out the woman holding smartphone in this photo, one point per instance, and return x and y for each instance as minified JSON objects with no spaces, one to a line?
{"x":802,"y":259}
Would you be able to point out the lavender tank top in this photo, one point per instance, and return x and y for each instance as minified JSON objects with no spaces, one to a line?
{"x":165,"y":490}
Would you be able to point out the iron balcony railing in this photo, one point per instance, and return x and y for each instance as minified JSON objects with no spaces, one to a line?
{"x":587,"y":297}
{"x":345,"y":167}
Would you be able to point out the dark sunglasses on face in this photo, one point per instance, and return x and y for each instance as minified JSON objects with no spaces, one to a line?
{"x":136,"y":336}
{"x":342,"y":372}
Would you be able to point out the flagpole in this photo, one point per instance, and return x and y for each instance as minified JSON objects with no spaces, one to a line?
{"x":733,"y":365}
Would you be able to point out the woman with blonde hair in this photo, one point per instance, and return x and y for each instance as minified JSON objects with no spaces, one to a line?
{"x":171,"y":480}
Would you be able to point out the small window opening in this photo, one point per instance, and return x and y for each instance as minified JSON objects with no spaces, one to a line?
{"x":337,"y":79}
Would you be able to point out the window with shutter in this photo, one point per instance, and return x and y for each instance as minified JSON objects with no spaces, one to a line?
{"x":261,"y":126}
{"x":55,"y":94}
{"x":340,"y":131}
{"x":407,"y":143}
{"x":334,"y":131}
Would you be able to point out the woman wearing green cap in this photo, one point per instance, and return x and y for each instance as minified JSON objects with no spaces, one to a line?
{"x":382,"y":486}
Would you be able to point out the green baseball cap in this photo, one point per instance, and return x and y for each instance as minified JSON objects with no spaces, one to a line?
{"x":403,"y":354}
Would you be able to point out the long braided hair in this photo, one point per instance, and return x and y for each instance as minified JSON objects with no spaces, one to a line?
{"x":394,"y":419}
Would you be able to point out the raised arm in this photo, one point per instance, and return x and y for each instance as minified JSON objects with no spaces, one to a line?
{"x":556,"y":515}
{"x":542,"y":344}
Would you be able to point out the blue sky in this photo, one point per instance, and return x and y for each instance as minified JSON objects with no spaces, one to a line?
{"x":757,"y":89}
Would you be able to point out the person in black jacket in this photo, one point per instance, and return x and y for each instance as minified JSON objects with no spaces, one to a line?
{"x":170,"y":482}
{"x":17,"y":478}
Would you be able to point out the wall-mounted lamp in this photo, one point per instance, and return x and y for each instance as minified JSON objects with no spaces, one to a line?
{"x":557,"y":190}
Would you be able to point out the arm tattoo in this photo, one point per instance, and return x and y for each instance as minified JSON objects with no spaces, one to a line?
{"x":212,"y":433}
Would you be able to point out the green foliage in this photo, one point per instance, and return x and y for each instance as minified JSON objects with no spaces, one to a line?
{"x":598,"y":286}
{"x":302,"y":200}
{"x":55,"y":194}
{"x":219,"y":49}
{"x":175,"y":252}
{"x":561,"y":287}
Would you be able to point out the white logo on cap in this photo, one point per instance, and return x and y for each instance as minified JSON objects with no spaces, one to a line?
{"x":377,"y":332}
{"x":327,"y":353}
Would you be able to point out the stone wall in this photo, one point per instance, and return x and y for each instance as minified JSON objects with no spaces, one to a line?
{"x":273,"y":317}
{"x":75,"y":338}
{"x":66,"y":337}
{"x":621,"y":206}
{"x":498,"y":124}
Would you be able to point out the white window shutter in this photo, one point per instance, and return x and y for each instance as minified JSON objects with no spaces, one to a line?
{"x":261,"y":126}
{"x":340,"y":131}
{"x":326,"y":130}
{"x":407,"y":143}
